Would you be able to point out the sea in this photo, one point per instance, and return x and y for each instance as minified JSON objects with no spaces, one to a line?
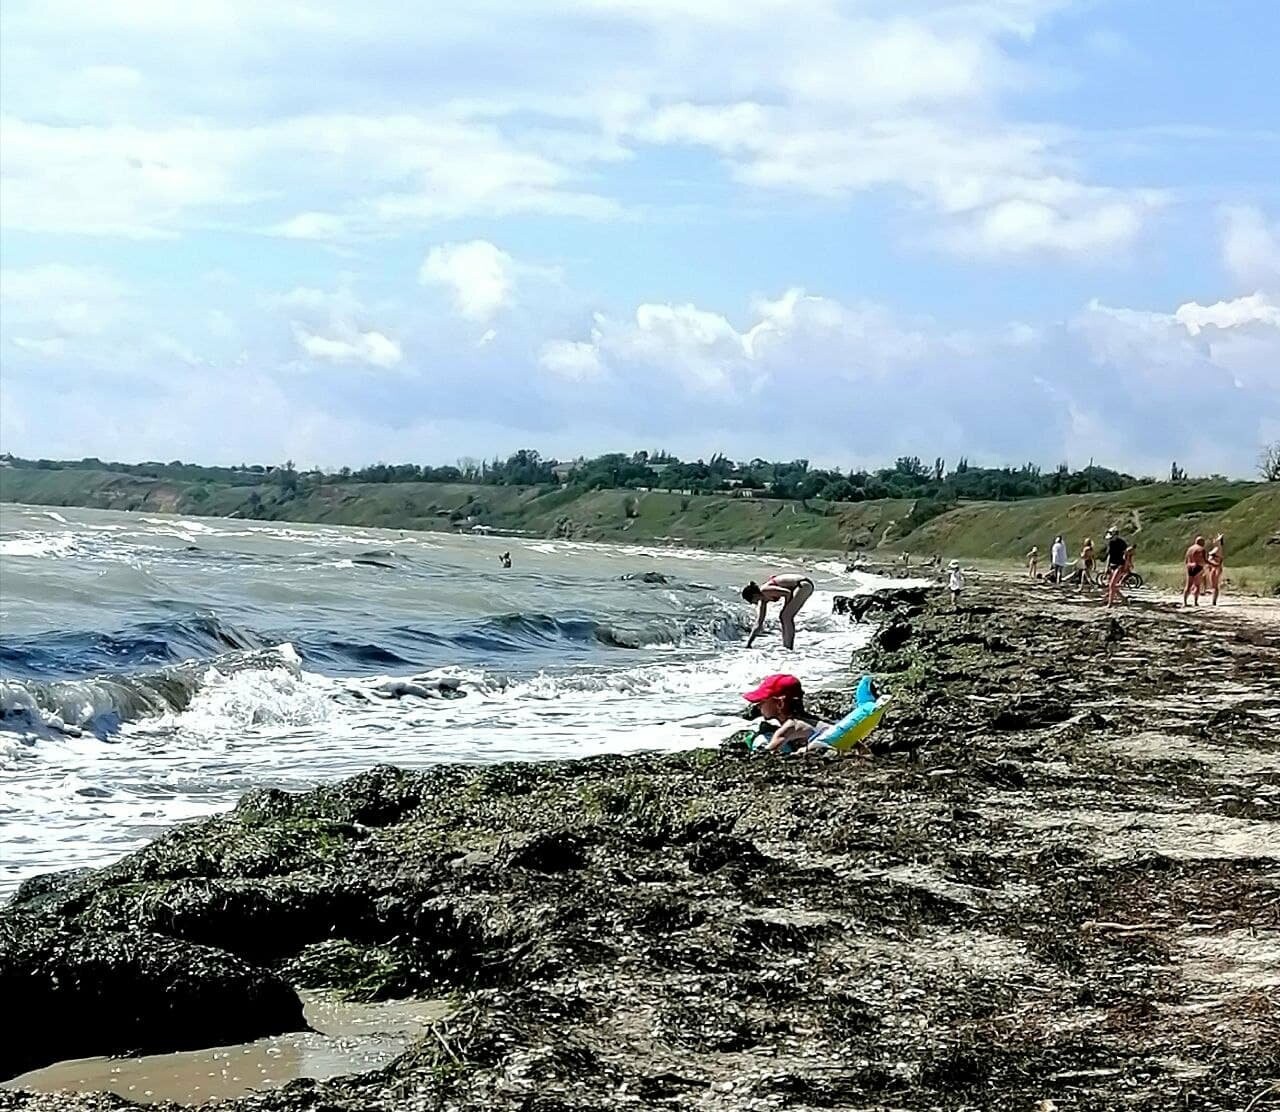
{"x":154,"y":668}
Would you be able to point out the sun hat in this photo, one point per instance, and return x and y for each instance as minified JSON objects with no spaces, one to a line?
{"x":773,"y":686}
{"x":954,"y":564}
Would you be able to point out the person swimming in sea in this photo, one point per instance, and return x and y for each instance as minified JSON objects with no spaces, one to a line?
{"x":790,"y":589}
{"x":505,"y":559}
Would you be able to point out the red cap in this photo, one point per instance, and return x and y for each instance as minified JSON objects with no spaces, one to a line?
{"x":772,"y":686}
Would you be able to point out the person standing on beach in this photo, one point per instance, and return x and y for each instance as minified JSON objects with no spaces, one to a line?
{"x":1117,"y":546}
{"x":1197,"y":559}
{"x":955,"y":582}
{"x":793,"y":591}
{"x":1217,"y":555}
{"x":1118,"y":576}
{"x":1086,"y":562}
{"x":1058,"y":558}
{"x":1033,"y":561}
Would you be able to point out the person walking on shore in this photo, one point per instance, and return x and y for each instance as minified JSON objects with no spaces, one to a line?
{"x":1033,"y":561}
{"x":1058,"y":558}
{"x":1217,"y":555}
{"x":1118,"y":576}
{"x":793,"y":591}
{"x":1197,"y":559}
{"x":1086,"y":562}
{"x":1116,"y":548}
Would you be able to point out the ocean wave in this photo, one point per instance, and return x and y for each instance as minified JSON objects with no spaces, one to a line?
{"x":101,"y":705}
{"x":45,"y":546}
{"x":74,"y":653}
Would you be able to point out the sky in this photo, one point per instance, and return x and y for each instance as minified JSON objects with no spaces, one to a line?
{"x":1009,"y":230}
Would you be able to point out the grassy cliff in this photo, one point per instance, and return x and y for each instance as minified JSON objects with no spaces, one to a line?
{"x":1160,"y":517}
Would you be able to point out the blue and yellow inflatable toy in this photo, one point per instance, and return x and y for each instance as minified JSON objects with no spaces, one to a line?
{"x":858,"y":723}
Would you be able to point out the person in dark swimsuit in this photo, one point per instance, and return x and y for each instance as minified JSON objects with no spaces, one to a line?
{"x":1117,"y":546}
{"x":793,"y":591}
{"x":1197,"y":560}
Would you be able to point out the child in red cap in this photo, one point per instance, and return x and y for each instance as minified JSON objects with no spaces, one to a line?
{"x":780,"y":698}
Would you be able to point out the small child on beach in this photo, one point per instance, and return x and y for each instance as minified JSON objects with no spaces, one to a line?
{"x":955,"y":582}
{"x":780,"y":699}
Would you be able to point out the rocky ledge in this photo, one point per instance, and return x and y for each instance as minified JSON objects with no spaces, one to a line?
{"x":1055,"y":885}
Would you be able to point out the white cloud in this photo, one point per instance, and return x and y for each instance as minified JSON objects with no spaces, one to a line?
{"x":333,"y":327}
{"x":372,"y":348}
{"x":812,"y":97}
{"x":1257,"y":308}
{"x":574,"y":360}
{"x":49,"y":348}
{"x":480,"y":276}
{"x":310,"y":225}
{"x":71,"y":301}
{"x":1251,"y":248}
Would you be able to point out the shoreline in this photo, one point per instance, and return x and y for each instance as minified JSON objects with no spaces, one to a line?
{"x":1056,"y":881}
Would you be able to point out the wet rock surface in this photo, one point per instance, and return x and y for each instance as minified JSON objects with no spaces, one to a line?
{"x":1056,"y":880}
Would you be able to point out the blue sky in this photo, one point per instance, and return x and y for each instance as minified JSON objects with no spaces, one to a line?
{"x":1018,"y":229}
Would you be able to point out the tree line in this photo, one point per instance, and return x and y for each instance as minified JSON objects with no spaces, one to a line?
{"x":934,"y":486}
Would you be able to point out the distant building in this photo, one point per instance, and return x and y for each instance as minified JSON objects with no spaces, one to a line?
{"x":562,"y":471}
{"x":482,"y":530}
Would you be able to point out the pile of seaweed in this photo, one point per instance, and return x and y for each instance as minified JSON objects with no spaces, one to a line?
{"x":1056,"y":884}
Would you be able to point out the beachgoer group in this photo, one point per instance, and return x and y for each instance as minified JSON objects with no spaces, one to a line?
{"x":1204,"y":569}
{"x":1202,"y":566}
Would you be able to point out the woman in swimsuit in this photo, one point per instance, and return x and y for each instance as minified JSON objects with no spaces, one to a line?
{"x":1196,"y":560}
{"x":1086,"y":562}
{"x":792,"y":591}
{"x":1033,"y":560}
{"x":1217,"y":554}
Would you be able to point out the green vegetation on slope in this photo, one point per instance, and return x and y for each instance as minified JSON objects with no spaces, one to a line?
{"x":1160,"y":517}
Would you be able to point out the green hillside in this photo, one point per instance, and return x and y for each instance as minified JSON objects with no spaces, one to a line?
{"x":1160,"y":517}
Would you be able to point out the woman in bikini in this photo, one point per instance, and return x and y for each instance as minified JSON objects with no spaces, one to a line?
{"x":1217,"y":554}
{"x":1086,"y":562}
{"x":793,"y":591}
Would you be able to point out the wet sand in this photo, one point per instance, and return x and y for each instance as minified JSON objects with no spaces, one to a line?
{"x":347,"y":1038}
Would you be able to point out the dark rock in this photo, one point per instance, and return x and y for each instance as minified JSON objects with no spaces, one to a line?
{"x":653,"y":577}
{"x":1028,"y":712}
{"x":78,"y":995}
{"x":1115,"y":632}
{"x":893,"y":636}
{"x":554,"y":852}
{"x":710,"y":854}
{"x":38,"y":889}
{"x":884,"y":599}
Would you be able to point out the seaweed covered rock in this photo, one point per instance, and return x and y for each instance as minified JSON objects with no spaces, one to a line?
{"x":75,"y":995}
